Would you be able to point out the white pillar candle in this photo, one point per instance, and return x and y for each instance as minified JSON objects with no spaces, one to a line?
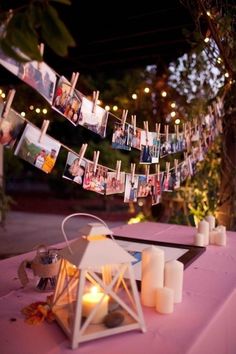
{"x":212,"y":221}
{"x":199,"y":240}
{"x":153,"y":260}
{"x":90,"y":300}
{"x":173,"y":275}
{"x":220,"y":238}
{"x":164,"y":300}
{"x":203,"y":228}
{"x":212,"y":235}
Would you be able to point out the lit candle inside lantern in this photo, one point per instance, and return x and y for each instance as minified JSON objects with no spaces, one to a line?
{"x":90,"y":300}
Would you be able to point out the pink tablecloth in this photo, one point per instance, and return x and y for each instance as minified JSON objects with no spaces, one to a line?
{"x":204,"y":323}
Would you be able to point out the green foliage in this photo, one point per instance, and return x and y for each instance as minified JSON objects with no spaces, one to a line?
{"x":24,"y":28}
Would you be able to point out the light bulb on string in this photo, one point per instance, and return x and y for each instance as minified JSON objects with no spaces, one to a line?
{"x":206,"y":40}
{"x":134,"y":96}
{"x":107,"y":108}
{"x":115,"y":108}
{"x":37,"y":110}
{"x":146,"y":90}
{"x":177,"y":121}
{"x":45,"y":111}
{"x":173,"y":105}
{"x":3,"y":95}
{"x":22,"y":114}
{"x":173,"y":114}
{"x":31,"y":107}
{"x":164,"y":93}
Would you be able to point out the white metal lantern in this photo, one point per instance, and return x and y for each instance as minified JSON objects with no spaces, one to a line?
{"x":95,"y":277}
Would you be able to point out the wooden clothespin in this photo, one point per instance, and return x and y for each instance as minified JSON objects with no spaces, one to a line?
{"x":145,"y":125}
{"x":118,"y":166}
{"x":133,"y":122}
{"x":167,"y":131}
{"x":95,"y":99}
{"x":123,"y":117}
{"x":176,"y":165}
{"x":177,"y":131}
{"x":41,"y":51}
{"x":95,"y":160}
{"x":8,"y":103}
{"x":158,"y":128}
{"x":74,"y":79}
{"x":132,"y":166}
{"x":43,"y":129}
{"x":147,"y":168}
{"x":82,"y":152}
{"x":157,"y":168}
{"x":167,"y":168}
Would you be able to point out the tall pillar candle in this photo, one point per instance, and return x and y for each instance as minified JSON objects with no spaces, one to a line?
{"x":212,"y":221}
{"x":153,"y":260}
{"x":173,"y":278}
{"x":203,"y":228}
{"x":164,"y":300}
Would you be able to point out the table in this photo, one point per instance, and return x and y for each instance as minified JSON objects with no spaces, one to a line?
{"x":204,"y":323}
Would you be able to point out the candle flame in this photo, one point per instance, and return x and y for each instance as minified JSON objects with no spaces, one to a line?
{"x":94,"y":290}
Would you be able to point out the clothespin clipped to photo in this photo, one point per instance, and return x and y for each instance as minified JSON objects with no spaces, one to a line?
{"x":43,"y":129}
{"x":132,"y":167}
{"x":82,"y":152}
{"x":145,"y":125}
{"x":73,"y":81}
{"x":133,"y":122}
{"x":157,"y":169}
{"x":118,"y":166}
{"x":41,"y":51}
{"x":167,"y":131}
{"x":204,"y":138}
{"x":147,"y":168}
{"x":123,"y":117}
{"x":95,"y":160}
{"x":167,"y":169}
{"x":158,"y":128}
{"x":8,"y":103}
{"x":176,"y":165}
{"x":177,"y":131}
{"x":95,"y":100}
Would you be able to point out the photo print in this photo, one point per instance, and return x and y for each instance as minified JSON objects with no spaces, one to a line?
{"x":120,"y":137}
{"x":156,"y":181}
{"x":135,"y":137}
{"x":131,"y":188}
{"x":67,"y":101}
{"x":150,"y":147}
{"x":168,"y":182}
{"x":11,"y":128}
{"x":9,"y":63}
{"x":74,"y":170}
{"x":185,"y":170}
{"x":42,"y":153}
{"x":95,"y":181}
{"x":95,"y":121}
{"x":39,"y":76}
{"x":115,"y":185}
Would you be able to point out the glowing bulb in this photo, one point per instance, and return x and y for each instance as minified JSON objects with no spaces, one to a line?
{"x":146,"y":90}
{"x":219,"y":60}
{"x":177,"y":121}
{"x":173,"y":105}
{"x":206,"y":40}
{"x":115,"y":108}
{"x":164,"y":93}
{"x":107,"y":108}
{"x":226,"y":74}
{"x":22,"y":114}
{"x":134,"y":96}
{"x":45,"y":111}
{"x":208,"y":13}
{"x":37,"y":110}
{"x":173,"y":114}
{"x":31,"y":107}
{"x":0,"y":91}
{"x":3,"y":95}
{"x":99,"y":102}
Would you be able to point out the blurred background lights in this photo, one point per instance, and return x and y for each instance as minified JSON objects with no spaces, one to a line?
{"x":134,"y":96}
{"x":146,"y":90}
{"x":107,"y":108}
{"x":22,"y":114}
{"x":164,"y":93}
{"x":115,"y":108}
{"x":177,"y":121}
{"x":31,"y":107}
{"x":45,"y":111}
{"x":37,"y":110}
{"x":173,"y":114}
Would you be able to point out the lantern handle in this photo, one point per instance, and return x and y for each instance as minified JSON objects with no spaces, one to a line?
{"x":80,"y":214}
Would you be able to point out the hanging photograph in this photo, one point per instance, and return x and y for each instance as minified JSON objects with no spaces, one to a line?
{"x":9,"y":63}
{"x":120,"y":137}
{"x":131,"y":188}
{"x":40,"y":151}
{"x":93,"y":118}
{"x":185,"y":170}
{"x":74,"y":169}
{"x":10,"y":128}
{"x":150,"y":147}
{"x":156,"y":181}
{"x":114,"y":184}
{"x":39,"y":76}
{"x":168,"y":182}
{"x":136,"y":137}
{"x":95,"y":181}
{"x":165,"y":148}
{"x":67,"y":101}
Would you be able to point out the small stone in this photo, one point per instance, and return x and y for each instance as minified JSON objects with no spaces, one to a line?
{"x":113,"y":319}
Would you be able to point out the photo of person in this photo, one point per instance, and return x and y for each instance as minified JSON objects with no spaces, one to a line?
{"x":184,"y":170}
{"x":145,"y":186}
{"x":168,"y":182}
{"x":120,"y":137}
{"x":67,"y":101}
{"x":115,"y":185}
{"x":131,"y":187}
{"x":9,"y":63}
{"x":150,"y":148}
{"x":10,"y":128}
{"x":136,"y":138}
{"x":157,"y":188}
{"x":165,"y":148}
{"x":40,"y":153}
{"x":39,"y":76}
{"x":74,"y":170}
{"x":95,"y":181}
{"x":176,"y":177}
{"x":95,"y":121}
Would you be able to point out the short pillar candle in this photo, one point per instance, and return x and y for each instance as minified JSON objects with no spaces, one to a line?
{"x":153,"y":260}
{"x":204,"y":228}
{"x":164,"y":300}
{"x":199,"y":240}
{"x":173,"y":275}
